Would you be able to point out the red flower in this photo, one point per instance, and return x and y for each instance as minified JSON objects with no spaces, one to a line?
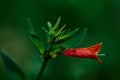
{"x":89,"y":52}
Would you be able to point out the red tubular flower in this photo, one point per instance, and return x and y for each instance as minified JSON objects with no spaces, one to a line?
{"x":89,"y":52}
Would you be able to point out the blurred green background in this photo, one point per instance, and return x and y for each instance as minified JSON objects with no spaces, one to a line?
{"x":101,"y":17}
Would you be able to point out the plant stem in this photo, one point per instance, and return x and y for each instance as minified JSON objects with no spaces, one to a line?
{"x":39,"y":77}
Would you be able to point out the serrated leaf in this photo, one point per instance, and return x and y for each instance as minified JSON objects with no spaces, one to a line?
{"x":12,"y":67}
{"x":75,"y":41}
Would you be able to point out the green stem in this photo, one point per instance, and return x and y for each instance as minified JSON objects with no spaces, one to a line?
{"x":46,"y":59}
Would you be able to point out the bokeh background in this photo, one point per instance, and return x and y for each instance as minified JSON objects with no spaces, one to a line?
{"x":101,"y":17}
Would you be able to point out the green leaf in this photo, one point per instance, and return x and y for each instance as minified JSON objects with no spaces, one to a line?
{"x":31,"y":31}
{"x":38,"y":44}
{"x":43,"y":38}
{"x":45,"y":30}
{"x":75,"y":41}
{"x":35,"y":38}
{"x":11,"y":66}
{"x":55,"y":28}
{"x":61,"y":29}
{"x":60,"y":35}
{"x":30,"y":27}
{"x":71,"y":33}
{"x":49,"y":26}
{"x":57,"y":23}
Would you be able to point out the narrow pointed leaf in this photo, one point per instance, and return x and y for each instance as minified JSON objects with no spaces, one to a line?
{"x":38,"y":44}
{"x":45,"y":30}
{"x":31,"y":31}
{"x":75,"y":41}
{"x":61,"y":29}
{"x":49,"y":26}
{"x":57,"y":23}
{"x":55,"y":28}
{"x":11,"y":66}
{"x":35,"y":38}
{"x":71,"y":33}
{"x":43,"y":38}
{"x":60,"y":35}
{"x":30,"y":27}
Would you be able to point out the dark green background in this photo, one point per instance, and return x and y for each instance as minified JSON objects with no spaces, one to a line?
{"x":101,"y":17}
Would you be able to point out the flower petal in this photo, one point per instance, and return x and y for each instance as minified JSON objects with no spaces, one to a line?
{"x":89,"y":52}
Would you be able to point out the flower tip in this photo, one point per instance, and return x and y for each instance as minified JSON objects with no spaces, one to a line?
{"x":99,"y":60}
{"x":100,"y":54}
{"x":100,"y":44}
